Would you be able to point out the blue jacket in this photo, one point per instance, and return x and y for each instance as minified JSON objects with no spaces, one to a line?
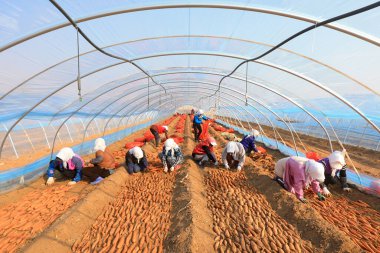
{"x":198,"y":119}
{"x":56,"y":165}
{"x":248,"y":143}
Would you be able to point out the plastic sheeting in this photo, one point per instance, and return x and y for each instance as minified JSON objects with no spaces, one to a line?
{"x":186,"y":47}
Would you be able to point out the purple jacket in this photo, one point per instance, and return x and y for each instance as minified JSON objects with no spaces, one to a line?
{"x":248,"y":143}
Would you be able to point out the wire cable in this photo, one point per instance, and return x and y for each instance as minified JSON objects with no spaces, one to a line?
{"x":64,"y":13}
{"x":313,"y":26}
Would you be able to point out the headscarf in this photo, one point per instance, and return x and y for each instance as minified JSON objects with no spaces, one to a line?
{"x":137,"y":152}
{"x":170,"y":145}
{"x":231,"y":147}
{"x":100,"y":144}
{"x":65,"y":155}
{"x":336,"y":160}
{"x":255,"y":133}
{"x":314,"y":171}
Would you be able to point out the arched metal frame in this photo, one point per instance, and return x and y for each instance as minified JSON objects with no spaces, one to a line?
{"x":66,"y":85}
{"x":311,"y":81}
{"x":350,"y":32}
{"x":337,"y":27}
{"x":193,"y":36}
{"x":231,"y":101}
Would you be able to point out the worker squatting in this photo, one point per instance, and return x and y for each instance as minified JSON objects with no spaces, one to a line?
{"x":294,"y":173}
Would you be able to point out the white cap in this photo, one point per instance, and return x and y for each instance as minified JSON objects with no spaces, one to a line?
{"x":166,"y":127}
{"x":336,"y":160}
{"x":200,"y":111}
{"x":170,"y":143}
{"x":137,"y":152}
{"x":255,"y":133}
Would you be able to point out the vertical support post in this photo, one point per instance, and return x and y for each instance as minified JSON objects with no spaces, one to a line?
{"x":27,"y":136}
{"x":97,"y":126}
{"x":83,"y":127}
{"x":67,"y":128}
{"x":46,"y":138}
{"x":361,"y":137}
{"x":348,"y":129}
{"x":11,"y":140}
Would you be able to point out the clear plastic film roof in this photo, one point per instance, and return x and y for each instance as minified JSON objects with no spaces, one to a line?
{"x":328,"y":75}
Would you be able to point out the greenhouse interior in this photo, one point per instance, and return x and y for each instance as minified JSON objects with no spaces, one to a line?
{"x":189,"y":126}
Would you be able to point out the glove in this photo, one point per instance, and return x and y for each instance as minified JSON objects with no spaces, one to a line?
{"x":239,"y":168}
{"x":321,"y":197}
{"x":200,"y":163}
{"x":216,"y":163}
{"x":71,"y":183}
{"x":171,"y":169}
{"x":50,"y":181}
{"x":166,"y":169}
{"x":303,"y":200}
{"x":226,"y":166}
{"x":326,"y":192}
{"x":346,"y":189}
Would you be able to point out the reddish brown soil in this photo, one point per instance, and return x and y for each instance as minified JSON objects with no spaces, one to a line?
{"x":353,"y":218}
{"x":366,"y":161}
{"x":42,"y":205}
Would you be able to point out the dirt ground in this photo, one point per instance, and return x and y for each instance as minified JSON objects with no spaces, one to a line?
{"x":334,"y":225}
{"x":365,"y":160}
{"x":194,"y":209}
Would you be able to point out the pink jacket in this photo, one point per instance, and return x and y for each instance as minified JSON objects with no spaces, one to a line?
{"x":295,"y":178}
{"x":71,"y":165}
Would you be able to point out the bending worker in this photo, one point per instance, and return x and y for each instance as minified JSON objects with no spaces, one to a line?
{"x":104,"y":163}
{"x":333,"y":165}
{"x":171,"y":155}
{"x":248,"y":142}
{"x":136,"y":161}
{"x":233,"y":155}
{"x":297,"y":173}
{"x":69,"y":164}
{"x":204,"y":152}
{"x":197,"y":124}
{"x":156,"y":130}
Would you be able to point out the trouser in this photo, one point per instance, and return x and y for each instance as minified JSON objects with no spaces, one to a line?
{"x":168,"y":163}
{"x":70,"y":174}
{"x":329,"y":179}
{"x":134,"y":168}
{"x":156,"y":136}
{"x":197,"y":131}
{"x":202,"y":158}
{"x":94,"y":172}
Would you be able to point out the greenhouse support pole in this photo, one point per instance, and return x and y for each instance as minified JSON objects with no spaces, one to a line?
{"x":69,"y":132}
{"x":12,"y":143}
{"x":27,"y":136}
{"x":43,"y":130}
{"x":378,"y":144}
{"x":348,"y":129}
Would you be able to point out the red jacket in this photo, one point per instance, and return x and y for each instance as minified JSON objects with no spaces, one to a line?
{"x":199,"y":150}
{"x":160,"y":129}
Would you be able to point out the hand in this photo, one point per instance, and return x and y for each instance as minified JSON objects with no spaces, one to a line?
{"x":321,"y":197}
{"x":50,"y":181}
{"x":71,"y":183}
{"x":326,"y":192}
{"x":166,"y":169}
{"x":346,"y":189}
{"x":171,"y":169}
{"x":303,"y":200}
{"x":216,"y":163}
{"x":200,"y":163}
{"x":226,"y":166}
{"x":239,"y":168}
